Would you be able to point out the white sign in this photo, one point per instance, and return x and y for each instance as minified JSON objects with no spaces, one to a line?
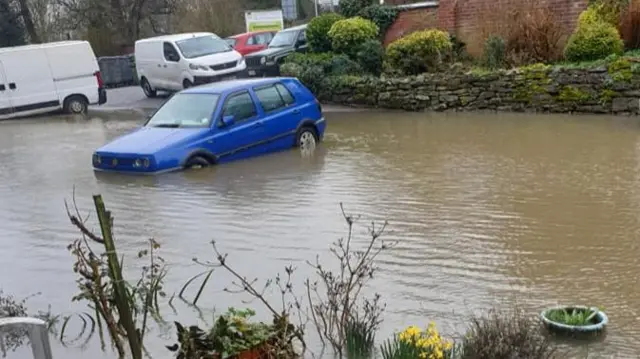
{"x":264,"y":20}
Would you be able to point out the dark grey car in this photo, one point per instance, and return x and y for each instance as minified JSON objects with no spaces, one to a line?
{"x":267,"y":62}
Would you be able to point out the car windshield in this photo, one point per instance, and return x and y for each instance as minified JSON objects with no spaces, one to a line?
{"x":202,"y":46}
{"x":284,"y":39}
{"x":231,"y":42}
{"x":185,"y":110}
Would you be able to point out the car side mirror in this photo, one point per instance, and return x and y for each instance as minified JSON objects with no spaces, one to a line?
{"x":228,"y":120}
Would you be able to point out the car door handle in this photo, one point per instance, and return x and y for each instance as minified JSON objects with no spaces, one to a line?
{"x":296,"y":111}
{"x":2,"y":87}
{"x":258,"y":123}
{"x":12,"y":86}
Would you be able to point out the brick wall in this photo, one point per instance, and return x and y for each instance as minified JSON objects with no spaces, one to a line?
{"x":471,"y":20}
{"x":412,"y":19}
{"x":474,"y":19}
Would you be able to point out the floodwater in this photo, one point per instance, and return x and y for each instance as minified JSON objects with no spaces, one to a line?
{"x":489,"y":210}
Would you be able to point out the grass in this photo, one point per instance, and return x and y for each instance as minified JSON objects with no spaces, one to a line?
{"x":577,"y":316}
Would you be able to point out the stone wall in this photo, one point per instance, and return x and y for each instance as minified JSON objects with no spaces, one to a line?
{"x":537,"y":88}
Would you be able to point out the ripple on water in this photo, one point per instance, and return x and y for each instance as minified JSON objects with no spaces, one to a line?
{"x":486,"y":212}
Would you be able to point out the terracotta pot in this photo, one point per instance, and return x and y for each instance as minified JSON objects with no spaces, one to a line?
{"x":249,"y":354}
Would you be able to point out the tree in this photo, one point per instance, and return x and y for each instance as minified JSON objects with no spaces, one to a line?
{"x":11,"y":28}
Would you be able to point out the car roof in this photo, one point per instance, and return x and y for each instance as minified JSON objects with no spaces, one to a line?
{"x":299,"y":27}
{"x":232,"y":85}
{"x":177,"y":37}
{"x":249,"y":34}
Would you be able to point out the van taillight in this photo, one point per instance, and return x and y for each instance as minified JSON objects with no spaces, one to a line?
{"x":98,"y":76}
{"x":319,"y":106}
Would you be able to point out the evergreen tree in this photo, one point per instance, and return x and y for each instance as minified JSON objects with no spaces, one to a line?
{"x":11,"y":28}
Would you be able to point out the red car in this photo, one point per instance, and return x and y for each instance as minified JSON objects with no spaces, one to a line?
{"x":250,"y":42}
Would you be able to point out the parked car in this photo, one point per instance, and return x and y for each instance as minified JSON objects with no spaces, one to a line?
{"x":176,"y":62}
{"x":36,"y":79}
{"x":216,"y":123}
{"x":250,"y":42}
{"x":267,"y":62}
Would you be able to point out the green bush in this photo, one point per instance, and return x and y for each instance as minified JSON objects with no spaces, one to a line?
{"x":351,"y":8}
{"x":383,"y":16}
{"x":343,"y":65}
{"x":346,"y":35}
{"x":312,"y":77}
{"x":371,"y":56}
{"x":494,"y":52}
{"x":330,"y":64}
{"x":291,"y":69}
{"x":420,"y":51}
{"x":318,"y":29}
{"x":322,"y":60}
{"x":593,"y":40}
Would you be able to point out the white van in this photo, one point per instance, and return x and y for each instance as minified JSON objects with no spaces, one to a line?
{"x":175,"y":62}
{"x":42,"y":78}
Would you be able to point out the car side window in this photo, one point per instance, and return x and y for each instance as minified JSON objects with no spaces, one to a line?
{"x":302,"y":37}
{"x":286,"y":95}
{"x":252,"y":40}
{"x":170,"y":52}
{"x":240,"y":105}
{"x":270,"y":98}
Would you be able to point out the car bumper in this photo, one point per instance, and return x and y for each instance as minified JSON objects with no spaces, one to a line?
{"x":263,"y":71}
{"x":201,"y":80}
{"x":102,"y":96}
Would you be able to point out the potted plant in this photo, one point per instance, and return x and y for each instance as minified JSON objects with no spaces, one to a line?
{"x":233,"y":336}
{"x":574,"y":319}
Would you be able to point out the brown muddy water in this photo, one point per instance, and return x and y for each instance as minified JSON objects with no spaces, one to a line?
{"x":489,"y":210}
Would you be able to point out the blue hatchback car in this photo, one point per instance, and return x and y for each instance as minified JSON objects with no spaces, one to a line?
{"x":219,"y":122}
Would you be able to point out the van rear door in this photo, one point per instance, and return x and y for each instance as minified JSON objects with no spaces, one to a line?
{"x":29,"y":81}
{"x":5,"y":99}
{"x":73,"y":68}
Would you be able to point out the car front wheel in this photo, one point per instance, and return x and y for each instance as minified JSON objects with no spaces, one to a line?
{"x":196,"y":162}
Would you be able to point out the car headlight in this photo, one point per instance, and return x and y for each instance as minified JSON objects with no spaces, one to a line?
{"x":263,"y":60}
{"x":141,"y":162}
{"x":198,"y":67}
{"x":241,"y":62}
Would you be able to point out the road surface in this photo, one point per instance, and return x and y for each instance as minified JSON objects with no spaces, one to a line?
{"x":133,"y":99}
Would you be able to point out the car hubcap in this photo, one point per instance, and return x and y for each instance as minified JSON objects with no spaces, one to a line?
{"x":76,"y":107}
{"x":307,"y":142}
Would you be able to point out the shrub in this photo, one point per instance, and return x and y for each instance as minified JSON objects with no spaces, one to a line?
{"x":383,"y":16}
{"x":494,"y":52}
{"x":351,"y":8}
{"x":318,"y":29}
{"x":505,"y":335}
{"x":534,"y":36}
{"x":322,"y":60}
{"x":593,"y":41}
{"x":630,"y":26}
{"x":291,"y":69}
{"x":343,"y":65}
{"x":347,"y":34}
{"x":371,"y":56}
{"x":419,"y":51}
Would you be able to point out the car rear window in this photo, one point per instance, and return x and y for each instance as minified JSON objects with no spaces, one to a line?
{"x":274,"y":97}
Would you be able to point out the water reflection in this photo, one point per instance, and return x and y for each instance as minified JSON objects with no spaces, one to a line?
{"x":488,"y":209}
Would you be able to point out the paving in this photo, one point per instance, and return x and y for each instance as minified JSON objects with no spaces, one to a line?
{"x":134,"y":99}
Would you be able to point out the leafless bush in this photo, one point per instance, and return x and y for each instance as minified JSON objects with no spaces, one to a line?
{"x":336,"y":298}
{"x":505,"y":335}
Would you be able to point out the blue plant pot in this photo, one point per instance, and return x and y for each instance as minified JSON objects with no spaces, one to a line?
{"x":601,"y":320}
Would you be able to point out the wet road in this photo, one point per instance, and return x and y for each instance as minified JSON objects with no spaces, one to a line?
{"x":488,"y":209}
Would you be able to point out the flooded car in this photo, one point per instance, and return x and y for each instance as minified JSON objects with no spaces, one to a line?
{"x":216,"y":123}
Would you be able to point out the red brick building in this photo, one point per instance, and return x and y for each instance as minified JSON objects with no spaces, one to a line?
{"x":468,"y":19}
